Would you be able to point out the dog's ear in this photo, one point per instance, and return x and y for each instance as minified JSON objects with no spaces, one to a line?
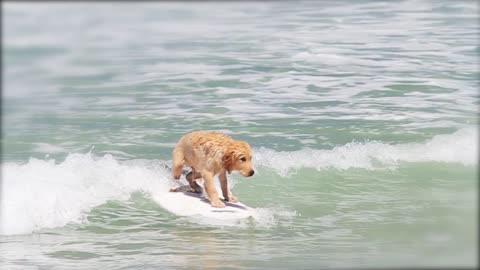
{"x":228,"y":161}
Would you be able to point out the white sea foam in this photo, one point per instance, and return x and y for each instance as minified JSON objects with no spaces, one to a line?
{"x":459,"y":147}
{"x":49,"y":148}
{"x":43,"y":194}
{"x":262,"y":217}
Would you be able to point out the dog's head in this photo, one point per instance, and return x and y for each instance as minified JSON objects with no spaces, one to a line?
{"x":238,"y":157}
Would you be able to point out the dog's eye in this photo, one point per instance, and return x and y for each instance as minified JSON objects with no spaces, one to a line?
{"x":243,"y":159}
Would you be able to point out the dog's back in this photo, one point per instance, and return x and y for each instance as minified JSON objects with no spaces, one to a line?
{"x":195,"y":149}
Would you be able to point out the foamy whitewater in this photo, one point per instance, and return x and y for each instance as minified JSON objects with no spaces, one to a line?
{"x":362,"y":117}
{"x":460,"y":147}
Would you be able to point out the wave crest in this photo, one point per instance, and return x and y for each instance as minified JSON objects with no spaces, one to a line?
{"x":42,"y":194}
{"x":459,"y":147}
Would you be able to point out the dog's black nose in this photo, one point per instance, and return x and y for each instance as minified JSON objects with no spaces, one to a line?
{"x":252,"y":172}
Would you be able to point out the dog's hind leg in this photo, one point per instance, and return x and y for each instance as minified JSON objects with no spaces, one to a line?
{"x":178,"y":161}
{"x":191,"y":176}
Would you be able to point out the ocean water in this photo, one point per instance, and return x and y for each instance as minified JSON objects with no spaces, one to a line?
{"x":362,"y":116}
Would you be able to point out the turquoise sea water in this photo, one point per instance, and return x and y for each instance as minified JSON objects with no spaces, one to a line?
{"x":362,"y":116}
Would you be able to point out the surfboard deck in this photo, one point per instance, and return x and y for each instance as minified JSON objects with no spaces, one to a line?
{"x":186,"y":203}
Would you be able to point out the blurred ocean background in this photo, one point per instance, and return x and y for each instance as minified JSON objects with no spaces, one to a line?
{"x":362,"y":115}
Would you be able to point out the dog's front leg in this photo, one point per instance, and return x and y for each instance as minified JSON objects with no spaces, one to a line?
{"x":211,"y":190}
{"x":224,"y":185}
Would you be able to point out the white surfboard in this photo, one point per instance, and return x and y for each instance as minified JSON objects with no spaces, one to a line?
{"x":186,"y":203}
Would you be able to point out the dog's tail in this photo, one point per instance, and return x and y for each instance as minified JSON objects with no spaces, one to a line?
{"x":169,"y":168}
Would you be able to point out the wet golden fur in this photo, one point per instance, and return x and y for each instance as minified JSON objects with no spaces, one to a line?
{"x":210,"y":153}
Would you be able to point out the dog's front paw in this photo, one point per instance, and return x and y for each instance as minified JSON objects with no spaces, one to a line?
{"x":217,"y":204}
{"x":232,"y":198}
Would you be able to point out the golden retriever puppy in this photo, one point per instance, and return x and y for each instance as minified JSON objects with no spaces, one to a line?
{"x":210,"y":153}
